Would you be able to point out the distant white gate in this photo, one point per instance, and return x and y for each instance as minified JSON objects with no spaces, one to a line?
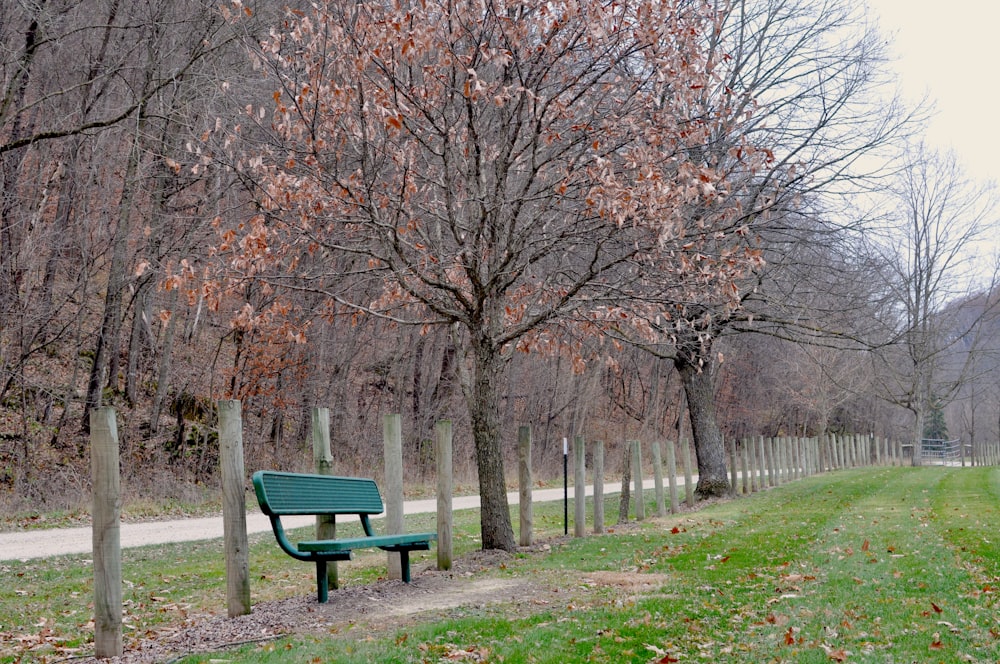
{"x":944,"y":452}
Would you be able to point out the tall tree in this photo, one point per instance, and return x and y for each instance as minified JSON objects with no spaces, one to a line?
{"x":805,"y":81}
{"x":494,"y":165}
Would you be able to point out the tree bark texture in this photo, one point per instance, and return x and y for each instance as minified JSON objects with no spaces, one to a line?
{"x":484,"y":410}
{"x":699,"y":388}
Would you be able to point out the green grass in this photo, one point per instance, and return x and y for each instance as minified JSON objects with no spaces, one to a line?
{"x":875,"y":565}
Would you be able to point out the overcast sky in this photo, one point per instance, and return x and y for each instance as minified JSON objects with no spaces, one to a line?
{"x":951,"y":51}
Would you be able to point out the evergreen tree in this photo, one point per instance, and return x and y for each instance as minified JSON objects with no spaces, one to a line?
{"x":935,"y":428}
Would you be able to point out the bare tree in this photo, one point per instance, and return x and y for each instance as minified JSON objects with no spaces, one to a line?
{"x":806,"y":74}
{"x":929,"y":264}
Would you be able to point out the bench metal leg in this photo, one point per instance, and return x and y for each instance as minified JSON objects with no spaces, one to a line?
{"x":404,"y":564}
{"x":321,"y":582}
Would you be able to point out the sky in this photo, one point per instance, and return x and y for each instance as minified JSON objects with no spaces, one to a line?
{"x":950,"y":52}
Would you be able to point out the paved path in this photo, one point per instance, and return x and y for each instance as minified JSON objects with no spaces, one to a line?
{"x":24,"y":545}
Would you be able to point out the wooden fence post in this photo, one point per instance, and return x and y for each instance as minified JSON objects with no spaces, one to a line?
{"x":443,"y":457}
{"x":640,"y":505}
{"x":745,"y":466}
{"x":771,"y":462}
{"x":579,"y":487}
{"x":796,"y":451}
{"x":525,"y":536}
{"x":326,"y":524}
{"x":774,"y":447}
{"x":234,"y":508}
{"x":598,"y":487}
{"x":661,"y":506}
{"x":762,"y":466}
{"x":733,"y":474}
{"x":781,"y":452}
{"x":392,"y":440}
{"x":107,"y":552}
{"x":688,"y":474}
{"x":672,"y":475}
{"x":803,"y":457}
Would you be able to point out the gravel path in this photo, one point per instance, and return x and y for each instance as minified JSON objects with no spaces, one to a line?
{"x":27,"y":544}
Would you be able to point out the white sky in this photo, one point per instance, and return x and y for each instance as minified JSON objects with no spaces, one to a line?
{"x":951,"y":51}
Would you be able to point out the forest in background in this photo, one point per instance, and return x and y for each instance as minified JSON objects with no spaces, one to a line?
{"x":136,"y":139}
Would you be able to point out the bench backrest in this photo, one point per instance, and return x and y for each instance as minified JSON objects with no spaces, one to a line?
{"x":296,"y":493}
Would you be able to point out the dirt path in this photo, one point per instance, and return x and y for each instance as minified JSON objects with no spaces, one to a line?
{"x":363,"y":609}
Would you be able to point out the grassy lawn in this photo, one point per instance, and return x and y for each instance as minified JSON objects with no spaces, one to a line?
{"x":874,"y":565}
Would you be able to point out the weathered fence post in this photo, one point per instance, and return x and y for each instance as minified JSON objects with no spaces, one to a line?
{"x":741,"y":452}
{"x":796,"y":457}
{"x":392,"y":440}
{"x":598,"y":487}
{"x":774,"y":453}
{"x":525,"y":536}
{"x":640,"y":505}
{"x":326,"y":524}
{"x":442,"y":456}
{"x":781,"y":452}
{"x":770,"y":462}
{"x":234,"y":512}
{"x":525,"y":512}
{"x":656,"y":454}
{"x":733,"y":474}
{"x":688,"y":474}
{"x":762,"y":463}
{"x":106,"y":532}
{"x":579,"y":487}
{"x":672,"y":476}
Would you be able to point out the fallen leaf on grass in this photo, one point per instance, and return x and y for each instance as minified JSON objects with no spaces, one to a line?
{"x":664,"y":656}
{"x":937,"y":609}
{"x":836,"y":654}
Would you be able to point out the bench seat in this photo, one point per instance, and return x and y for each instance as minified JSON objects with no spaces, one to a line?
{"x":385,"y":542}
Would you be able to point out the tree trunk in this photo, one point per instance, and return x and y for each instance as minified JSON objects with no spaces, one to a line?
{"x":918,"y":435}
{"x":484,"y":410}
{"x":625,"y":496}
{"x":699,"y":388}
{"x":163,"y":367}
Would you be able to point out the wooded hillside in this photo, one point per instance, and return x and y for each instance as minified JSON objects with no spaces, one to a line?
{"x":630,"y":220}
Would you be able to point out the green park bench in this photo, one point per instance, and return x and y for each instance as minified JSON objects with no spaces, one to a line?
{"x":285,"y":494}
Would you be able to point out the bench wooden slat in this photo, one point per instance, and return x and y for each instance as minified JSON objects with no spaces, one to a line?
{"x":378,"y":541}
{"x":284,"y":494}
